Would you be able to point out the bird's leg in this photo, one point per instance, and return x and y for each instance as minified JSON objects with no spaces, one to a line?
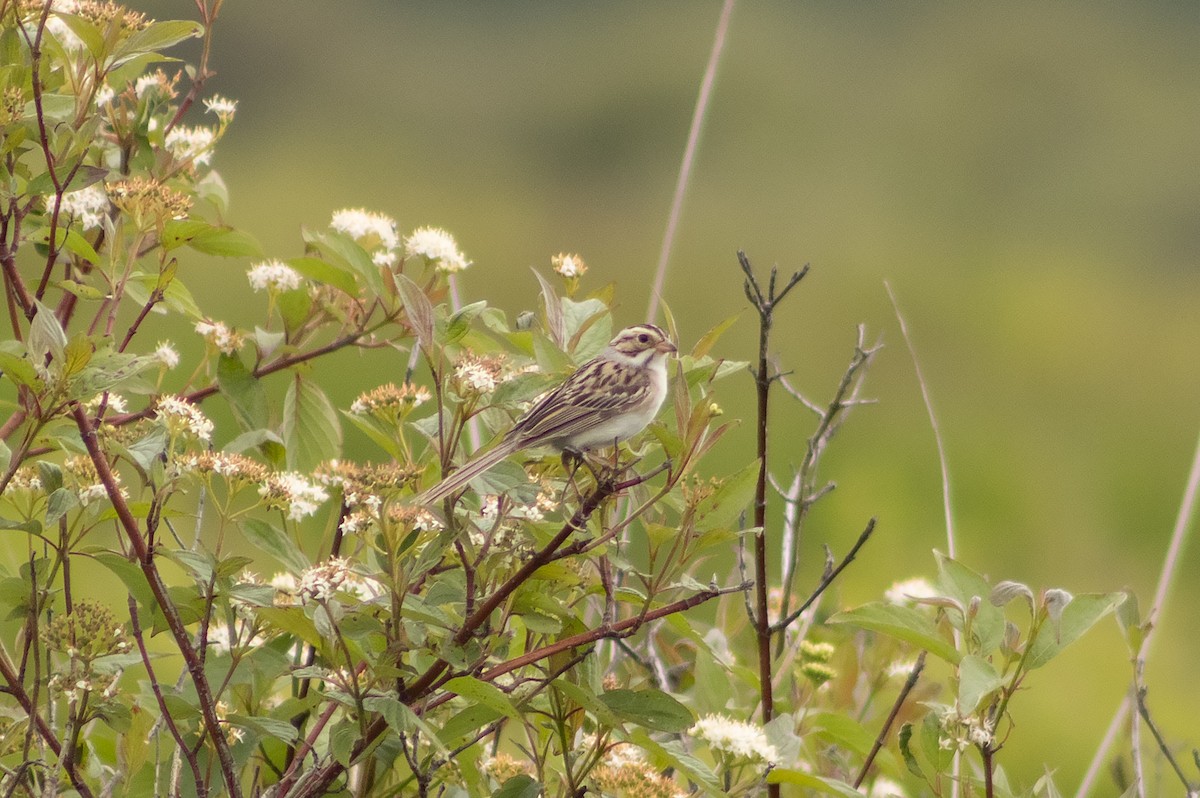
{"x":571,"y":460}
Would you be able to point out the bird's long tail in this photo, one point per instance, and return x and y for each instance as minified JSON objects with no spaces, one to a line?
{"x":467,"y":473}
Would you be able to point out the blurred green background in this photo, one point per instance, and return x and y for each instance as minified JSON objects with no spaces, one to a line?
{"x":1026,"y":175}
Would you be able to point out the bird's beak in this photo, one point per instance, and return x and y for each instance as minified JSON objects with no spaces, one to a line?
{"x":665,"y":347}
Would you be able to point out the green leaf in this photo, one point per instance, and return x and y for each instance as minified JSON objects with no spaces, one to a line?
{"x":843,"y":731}
{"x":268,"y":443}
{"x":812,"y":782}
{"x":310,"y":425}
{"x":327,"y":273}
{"x":270,"y":727}
{"x":243,"y":391}
{"x":46,"y":335}
{"x":346,"y":252}
{"x":80,"y":290}
{"x":18,"y":368}
{"x":342,"y":738}
{"x":484,"y":693}
{"x":961,"y":583}
{"x":420,"y":313}
{"x":274,"y":541}
{"x":293,"y":621}
{"x":399,"y":716}
{"x":130,"y":575}
{"x":910,"y":758}
{"x":521,"y":786}
{"x":653,"y":709}
{"x":458,"y":324}
{"x":227,"y":243}
{"x":467,"y":721}
{"x":723,"y":508}
{"x":157,"y":36}
{"x":705,"y":344}
{"x":590,"y":702}
{"x":59,"y":504}
{"x":556,"y":326}
{"x":905,"y":623}
{"x":976,"y":679}
{"x":1081,"y":614}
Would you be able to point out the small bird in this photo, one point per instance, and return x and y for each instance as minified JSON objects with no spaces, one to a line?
{"x":610,"y":398}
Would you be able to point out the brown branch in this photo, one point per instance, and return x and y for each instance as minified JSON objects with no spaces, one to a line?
{"x":619,"y":629}
{"x":261,"y":371}
{"x":764,"y":304}
{"x":163,"y":600}
{"x":827,"y":580}
{"x":319,"y":780}
{"x":17,"y":691}
{"x":909,"y":684}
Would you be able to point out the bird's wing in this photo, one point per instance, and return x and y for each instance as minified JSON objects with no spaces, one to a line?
{"x":597,"y":392}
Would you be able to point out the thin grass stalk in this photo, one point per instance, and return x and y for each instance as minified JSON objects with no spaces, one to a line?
{"x":689,"y":158}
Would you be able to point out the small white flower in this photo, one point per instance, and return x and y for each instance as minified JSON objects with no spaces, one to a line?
{"x":166,"y":354}
{"x":104,"y":95}
{"x":116,"y":402}
{"x":568,"y":264}
{"x":320,"y":582}
{"x":182,"y":417}
{"x":274,"y":276}
{"x":475,"y":377}
{"x":360,"y":224}
{"x":145,"y":83}
{"x":438,"y":247}
{"x":289,"y":490}
{"x":88,"y":206}
{"x":384,"y":258}
{"x":904,"y":592}
{"x":220,"y":336}
{"x":223,"y":107}
{"x":743,"y":740}
{"x":191,"y":144}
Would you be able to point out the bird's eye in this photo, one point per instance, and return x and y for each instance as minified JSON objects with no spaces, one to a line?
{"x":643,"y":338}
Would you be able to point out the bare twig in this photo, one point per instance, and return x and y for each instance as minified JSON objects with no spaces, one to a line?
{"x":1183,"y":524}
{"x":827,"y":580}
{"x":1140,"y":690}
{"x":909,"y":684}
{"x":764,"y":303}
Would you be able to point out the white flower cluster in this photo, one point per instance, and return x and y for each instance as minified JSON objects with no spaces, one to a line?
{"x":959,"y":732}
{"x":150,"y":83}
{"x":223,"y":107}
{"x":742,"y":740}
{"x":291,"y":491}
{"x":438,"y":247}
{"x":181,"y":417}
{"x":568,"y":264}
{"x":88,"y":206}
{"x":219,"y":335}
{"x":904,"y":592}
{"x":274,"y":276}
{"x":191,"y":144}
{"x":367,"y":226}
{"x":166,"y":355}
{"x":104,"y":95}
{"x":321,"y":582}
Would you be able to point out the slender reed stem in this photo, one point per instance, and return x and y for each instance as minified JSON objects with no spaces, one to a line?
{"x":689,"y":158}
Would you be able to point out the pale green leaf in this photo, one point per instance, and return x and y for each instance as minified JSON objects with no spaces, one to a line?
{"x":1081,"y":614}
{"x":905,"y":623}
{"x":311,"y":428}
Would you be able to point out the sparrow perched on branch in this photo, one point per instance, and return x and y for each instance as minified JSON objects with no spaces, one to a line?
{"x":610,"y":398}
